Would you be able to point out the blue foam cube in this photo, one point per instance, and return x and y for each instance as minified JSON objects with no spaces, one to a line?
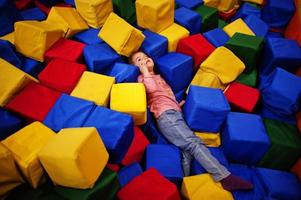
{"x":217,"y":37}
{"x":32,"y":67}
{"x":166,"y":159}
{"x":189,"y":19}
{"x":50,"y":3}
{"x":176,"y":69}
{"x":266,"y":113}
{"x":180,"y":95}
{"x":277,"y":13}
{"x":7,"y":52}
{"x":33,"y":14}
{"x":124,"y":73}
{"x":89,"y":36}
{"x":8,"y":16}
{"x":100,"y":57}
{"x":197,"y":168}
{"x":281,"y":92}
{"x":129,"y":172}
{"x":245,"y":10}
{"x":258,"y":26}
{"x":280,"y":184}
{"x":280,"y":52}
{"x":10,"y":123}
{"x":205,"y":109}
{"x":189,"y":4}
{"x":244,"y":138}
{"x":70,"y":2}
{"x":68,"y":112}
{"x":272,"y":34}
{"x":154,"y":45}
{"x":115,"y":129}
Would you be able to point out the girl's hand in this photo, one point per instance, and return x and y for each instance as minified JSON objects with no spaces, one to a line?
{"x":181,"y":103}
{"x":144,"y":70}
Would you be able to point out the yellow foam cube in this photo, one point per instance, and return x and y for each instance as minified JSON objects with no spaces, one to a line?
{"x":9,"y":175}
{"x":67,"y":19}
{"x":260,"y":2}
{"x":210,"y":139}
{"x":224,"y":64}
{"x":94,"y":12}
{"x":12,"y":81}
{"x":94,"y":87}
{"x":238,"y":26}
{"x":33,"y":38}
{"x":155,"y":15}
{"x":174,"y":34}
{"x":130,"y":98}
{"x":207,"y":79}
{"x":75,"y":157}
{"x":9,"y":37}
{"x":221,"y":5}
{"x":121,"y":36}
{"x":203,"y":187}
{"x":25,"y":146}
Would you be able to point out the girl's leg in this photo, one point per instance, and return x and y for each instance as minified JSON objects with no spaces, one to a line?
{"x":186,"y":162}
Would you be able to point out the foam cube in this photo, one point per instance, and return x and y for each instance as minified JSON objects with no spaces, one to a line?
{"x":126,"y":174}
{"x":121,"y":36}
{"x":221,"y":23}
{"x":285,"y":145}
{"x":100,"y":57}
{"x":224,"y":64}
{"x":88,"y":37}
{"x":12,"y":81}
{"x":7,"y":52}
{"x":34,"y":102}
{"x":298,"y":118}
{"x":176,"y":69}
{"x":95,"y":13}
{"x":258,"y":26}
{"x":203,"y":187}
{"x":84,"y":155}
{"x":106,"y":186}
{"x":9,"y":175}
{"x":282,"y":53}
{"x":124,"y":73}
{"x":150,"y":185}
{"x":280,"y":184}
{"x":245,"y":10}
{"x":216,"y":37}
{"x":94,"y":87}
{"x":25,"y":146}
{"x":197,"y":168}
{"x":205,"y":109}
{"x":115,"y":129}
{"x":293,"y":29}
{"x":130,"y":98}
{"x":278,"y":13}
{"x":242,"y":134}
{"x":32,"y":66}
{"x":125,"y":9}
{"x":154,"y":44}
{"x":207,"y":79}
{"x":241,"y":97}
{"x":197,"y":47}
{"x":33,"y":14}
{"x":189,"y":19}
{"x":155,"y":15}
{"x":281,"y":92}
{"x":61,"y":75}
{"x":222,"y":6}
{"x":68,"y":19}
{"x":174,"y":34}
{"x":188,"y":4}
{"x":266,"y":113}
{"x":247,"y":48}
{"x":65,"y":49}
{"x":35,"y":47}
{"x":297,"y":169}
{"x":9,"y":37}
{"x":209,"y":139}
{"x":137,"y":148}
{"x":68,"y":112}
{"x":10,"y":123}
{"x":237,"y":26}
{"x":166,"y":159}
{"x":9,"y":15}
{"x":209,"y":17}
{"x":249,"y":79}
{"x":260,"y":2}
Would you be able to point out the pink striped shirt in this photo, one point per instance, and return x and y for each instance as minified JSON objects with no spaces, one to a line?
{"x":159,"y":94}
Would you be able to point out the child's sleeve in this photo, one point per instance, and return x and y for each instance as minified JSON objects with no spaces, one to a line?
{"x":149,"y":83}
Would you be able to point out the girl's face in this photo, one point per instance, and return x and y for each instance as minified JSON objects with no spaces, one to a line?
{"x":140,"y":59}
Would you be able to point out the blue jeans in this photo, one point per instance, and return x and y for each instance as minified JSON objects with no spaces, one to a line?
{"x":173,"y":126}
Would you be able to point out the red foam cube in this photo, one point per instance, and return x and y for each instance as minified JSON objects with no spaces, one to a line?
{"x":113,"y":167}
{"x":297,"y":169}
{"x":150,"y":185}
{"x":65,"y":49}
{"x":34,"y":102}
{"x":197,"y":47}
{"x":61,"y":75}
{"x":242,"y":97}
{"x":298,"y":119}
{"x":22,"y":4}
{"x":137,"y":148}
